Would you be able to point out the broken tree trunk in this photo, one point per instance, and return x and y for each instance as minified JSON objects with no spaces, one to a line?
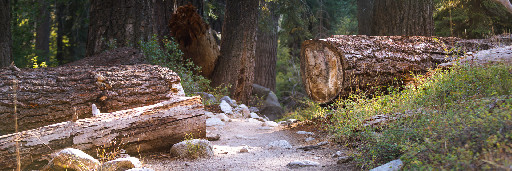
{"x":339,"y":65}
{"x":150,"y":128}
{"x":195,"y":38}
{"x":52,"y":95}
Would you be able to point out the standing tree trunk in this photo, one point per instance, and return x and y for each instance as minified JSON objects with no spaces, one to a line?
{"x":236,"y":63}
{"x":59,"y":16}
{"x":365,"y":16}
{"x":43,"y":32}
{"x":393,"y":17}
{"x":266,"y":49}
{"x":5,"y":34}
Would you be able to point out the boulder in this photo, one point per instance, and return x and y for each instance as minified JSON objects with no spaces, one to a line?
{"x":279,"y":144}
{"x":304,"y":163}
{"x":225,"y":107}
{"x":394,"y":165}
{"x":260,"y":91}
{"x":214,"y":122}
{"x":72,"y":159}
{"x":270,"y":104}
{"x":121,"y":164}
{"x":192,"y":149}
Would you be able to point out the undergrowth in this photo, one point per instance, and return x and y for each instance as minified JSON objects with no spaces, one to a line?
{"x":455,"y":119}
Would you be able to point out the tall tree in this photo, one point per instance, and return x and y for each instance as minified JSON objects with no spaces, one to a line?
{"x":5,"y":33}
{"x":43,"y":31}
{"x":236,"y":63}
{"x":399,"y":17}
{"x":365,"y":16}
{"x":266,"y":46}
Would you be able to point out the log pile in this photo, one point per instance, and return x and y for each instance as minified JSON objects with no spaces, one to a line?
{"x":149,"y":128}
{"x":339,"y":65}
{"x":52,"y":95}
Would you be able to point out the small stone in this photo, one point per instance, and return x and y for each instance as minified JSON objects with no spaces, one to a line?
{"x":228,"y":100}
{"x":121,"y":164}
{"x":305,"y":133}
{"x":254,"y":109}
{"x":244,"y":137}
{"x":192,"y":149}
{"x":215,"y":137}
{"x":252,"y":120}
{"x":245,"y":111}
{"x":95,"y":110}
{"x":74,"y":159}
{"x":223,"y":117}
{"x":265,"y":128}
{"x":209,"y":114}
{"x":309,"y":139}
{"x":344,"y":159}
{"x":338,"y":154}
{"x":279,"y":144}
{"x":292,"y":120}
{"x":214,"y":122}
{"x":283,"y":123}
{"x":271,"y":123}
{"x":305,"y":163}
{"x":225,"y":107}
{"x":244,"y":150}
{"x":254,"y":115}
{"x":394,"y":165}
{"x":141,"y":169}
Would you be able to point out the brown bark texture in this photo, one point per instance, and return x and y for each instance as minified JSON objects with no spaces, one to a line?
{"x":145,"y":129}
{"x":52,"y":95}
{"x":43,"y":32}
{"x":266,"y":49}
{"x":235,"y":66}
{"x":402,"y":18}
{"x":342,"y":64}
{"x":5,"y":34}
{"x":195,"y":38}
{"x":365,"y":16}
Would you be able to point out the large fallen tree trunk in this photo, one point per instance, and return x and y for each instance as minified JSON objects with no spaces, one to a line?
{"x":340,"y":65}
{"x":195,"y":38}
{"x":52,"y":95}
{"x":149,"y":128}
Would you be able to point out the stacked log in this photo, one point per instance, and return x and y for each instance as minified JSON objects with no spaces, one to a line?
{"x":150,"y":128}
{"x":337,"y":66}
{"x":52,"y":95}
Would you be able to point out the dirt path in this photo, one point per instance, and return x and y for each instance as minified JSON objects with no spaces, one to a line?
{"x":246,"y":132}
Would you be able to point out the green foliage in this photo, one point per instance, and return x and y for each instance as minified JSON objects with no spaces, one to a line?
{"x":454,"y":119}
{"x":471,"y":18}
{"x":288,"y":81}
{"x":170,"y":56}
{"x":38,"y":65}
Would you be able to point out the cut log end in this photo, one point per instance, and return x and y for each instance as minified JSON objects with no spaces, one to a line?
{"x":322,"y":70}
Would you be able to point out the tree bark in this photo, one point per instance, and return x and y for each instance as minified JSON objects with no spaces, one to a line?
{"x":396,"y":17}
{"x":235,"y":66}
{"x":266,"y":49}
{"x":365,"y":16}
{"x":145,"y":129}
{"x":195,"y":38}
{"x":43,"y":32}
{"x":5,"y":34}
{"x":340,"y":65}
{"x":52,"y":95}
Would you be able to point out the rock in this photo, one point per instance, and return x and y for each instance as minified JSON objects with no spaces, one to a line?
{"x":192,"y":149}
{"x":254,"y":115}
{"x":229,"y":101}
{"x":344,"y":159}
{"x":283,"y":123}
{"x":214,"y":122}
{"x":309,"y":139}
{"x":271,"y":107}
{"x":213,"y":137}
{"x":279,"y":144}
{"x":140,"y":169}
{"x":244,"y":137}
{"x":72,"y":159}
{"x":208,"y":98}
{"x":305,"y":133}
{"x":245,"y":111}
{"x":254,"y":109}
{"x":260,"y":91}
{"x":265,"y":128}
{"x":95,"y":110}
{"x":223,"y":117}
{"x":225,"y":107}
{"x":271,"y":123}
{"x":292,"y":121}
{"x":394,"y":165}
{"x":244,"y":150}
{"x":304,"y":163}
{"x":209,"y":114}
{"x":338,"y":154}
{"x":121,"y":164}
{"x":252,"y":120}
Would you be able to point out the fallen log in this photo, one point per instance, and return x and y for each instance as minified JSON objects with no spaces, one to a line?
{"x":196,"y":40}
{"x":339,"y":65}
{"x":150,"y":128}
{"x":52,"y":95}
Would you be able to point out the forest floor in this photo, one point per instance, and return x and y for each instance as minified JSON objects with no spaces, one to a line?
{"x":246,"y":132}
